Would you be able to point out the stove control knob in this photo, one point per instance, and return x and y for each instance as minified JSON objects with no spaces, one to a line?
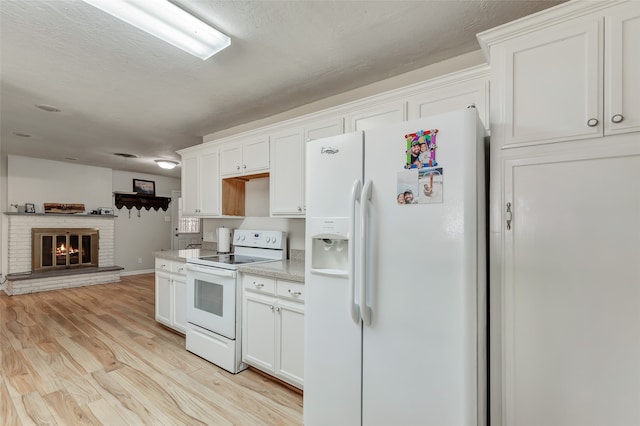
{"x":268,"y":239}
{"x":237,"y":237}
{"x":274,"y":240}
{"x":242,"y":238}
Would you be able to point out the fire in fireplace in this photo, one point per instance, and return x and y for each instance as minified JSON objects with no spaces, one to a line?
{"x":63,"y":248}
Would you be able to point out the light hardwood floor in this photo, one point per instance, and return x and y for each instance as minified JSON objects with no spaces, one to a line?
{"x":95,"y":355}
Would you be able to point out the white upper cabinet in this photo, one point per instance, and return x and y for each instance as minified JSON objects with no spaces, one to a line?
{"x":622,"y":55}
{"x":323,"y":129}
{"x":554,"y":79}
{"x":550,"y":84}
{"x":189,"y":183}
{"x":200,"y":182}
{"x":453,"y":94}
{"x":209,"y":183}
{"x":247,"y":157}
{"x":376,"y":116}
{"x":287,"y":173}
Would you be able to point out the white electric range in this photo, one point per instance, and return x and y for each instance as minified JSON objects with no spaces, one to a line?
{"x":214,"y":296}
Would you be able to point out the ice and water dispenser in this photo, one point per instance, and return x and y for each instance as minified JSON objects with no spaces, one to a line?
{"x":329,"y":245}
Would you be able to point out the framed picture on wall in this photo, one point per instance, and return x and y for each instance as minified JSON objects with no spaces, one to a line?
{"x":145,"y":187}
{"x":30,"y":208}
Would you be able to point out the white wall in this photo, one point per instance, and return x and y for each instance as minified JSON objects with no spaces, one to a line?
{"x":137,"y":237}
{"x":33,"y":180}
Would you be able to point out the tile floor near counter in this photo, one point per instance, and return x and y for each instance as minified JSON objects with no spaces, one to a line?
{"x":96,"y":355}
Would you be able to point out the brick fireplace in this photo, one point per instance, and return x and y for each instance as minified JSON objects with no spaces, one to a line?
{"x":95,"y":267}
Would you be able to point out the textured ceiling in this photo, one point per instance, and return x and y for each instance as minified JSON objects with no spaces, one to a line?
{"x":121,"y":90}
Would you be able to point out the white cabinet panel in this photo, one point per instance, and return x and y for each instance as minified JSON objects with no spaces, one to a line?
{"x":246,"y":157}
{"x":258,"y":333}
{"x":209,"y":184}
{"x":377,"y":116}
{"x":179,"y":290}
{"x":551,"y":84}
{"x":201,"y":183}
{"x":452,"y":98}
{"x":230,"y":160}
{"x":171,"y":294}
{"x":622,"y":83}
{"x":291,"y":339}
{"x":163,"y":298}
{"x":323,"y":129}
{"x":571,"y":293}
{"x":189,"y":183}
{"x":255,"y":155}
{"x":287,"y":173}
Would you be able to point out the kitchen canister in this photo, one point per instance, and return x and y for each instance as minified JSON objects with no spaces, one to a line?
{"x":223,"y":235}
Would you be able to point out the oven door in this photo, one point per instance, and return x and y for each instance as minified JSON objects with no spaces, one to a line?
{"x":211,"y":299}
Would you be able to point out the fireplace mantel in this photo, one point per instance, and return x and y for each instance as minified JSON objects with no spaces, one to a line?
{"x":63,"y":215}
{"x":140,"y":200}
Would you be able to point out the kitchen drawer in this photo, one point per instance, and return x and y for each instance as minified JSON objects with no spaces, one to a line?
{"x":258,"y":284}
{"x":163,"y":265}
{"x":291,"y":290}
{"x":178,"y":268}
{"x":175,"y":267}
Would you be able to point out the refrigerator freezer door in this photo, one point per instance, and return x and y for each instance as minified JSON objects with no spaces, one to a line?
{"x":332,"y":370}
{"x":419,"y":353}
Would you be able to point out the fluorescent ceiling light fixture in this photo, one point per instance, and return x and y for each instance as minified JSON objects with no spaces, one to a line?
{"x":167,"y":164}
{"x":169,"y":23}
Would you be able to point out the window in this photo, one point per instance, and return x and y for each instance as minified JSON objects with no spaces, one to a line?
{"x":187,"y":225}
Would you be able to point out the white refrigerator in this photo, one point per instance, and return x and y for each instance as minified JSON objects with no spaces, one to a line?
{"x":395,"y":312}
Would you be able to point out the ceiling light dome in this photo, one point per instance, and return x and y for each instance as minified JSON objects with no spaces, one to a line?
{"x":167,"y":164}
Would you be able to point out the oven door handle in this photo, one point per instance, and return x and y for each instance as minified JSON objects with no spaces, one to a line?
{"x":218,"y":272}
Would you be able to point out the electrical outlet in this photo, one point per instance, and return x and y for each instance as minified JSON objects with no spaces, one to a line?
{"x":139,"y":260}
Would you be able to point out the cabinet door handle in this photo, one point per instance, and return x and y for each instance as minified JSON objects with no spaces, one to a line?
{"x":618,"y":118}
{"x":299,"y":209}
{"x":244,"y":166}
{"x":237,"y":167}
{"x":180,"y":269}
{"x":508,"y":216}
{"x":294,"y":293}
{"x":592,"y":122}
{"x":271,"y":307}
{"x":277,"y":309}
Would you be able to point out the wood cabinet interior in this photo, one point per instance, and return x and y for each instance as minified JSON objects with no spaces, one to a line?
{"x":233,"y":194}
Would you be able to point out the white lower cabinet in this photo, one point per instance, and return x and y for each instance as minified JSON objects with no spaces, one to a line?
{"x":273,"y":327}
{"x":171,"y":294}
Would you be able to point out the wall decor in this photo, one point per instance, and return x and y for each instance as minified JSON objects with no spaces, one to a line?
{"x":146,"y":187}
{"x":29,"y":208}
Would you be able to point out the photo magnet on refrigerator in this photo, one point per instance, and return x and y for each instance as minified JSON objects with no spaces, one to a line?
{"x":422,"y":180}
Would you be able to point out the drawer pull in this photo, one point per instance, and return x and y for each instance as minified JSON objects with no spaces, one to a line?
{"x":294,"y":293}
{"x":258,"y":285}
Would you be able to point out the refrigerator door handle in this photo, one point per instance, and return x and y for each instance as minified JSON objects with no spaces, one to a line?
{"x":354,"y":309}
{"x":365,"y":311}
